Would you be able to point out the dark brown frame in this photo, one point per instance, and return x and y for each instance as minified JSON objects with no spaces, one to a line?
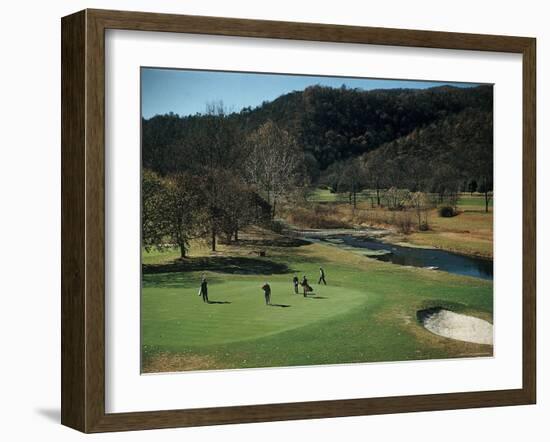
{"x":83,"y":216}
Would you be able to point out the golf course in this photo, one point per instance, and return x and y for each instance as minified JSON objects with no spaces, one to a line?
{"x":369,"y":311}
{"x":374,"y":196}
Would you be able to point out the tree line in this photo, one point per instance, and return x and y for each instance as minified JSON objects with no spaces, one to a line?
{"x":232,"y":179}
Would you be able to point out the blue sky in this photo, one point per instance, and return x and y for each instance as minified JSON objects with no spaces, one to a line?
{"x":186,"y":92}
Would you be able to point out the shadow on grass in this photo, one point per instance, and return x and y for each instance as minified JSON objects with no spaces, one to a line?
{"x":317,"y":297}
{"x":280,"y":305}
{"x":223,"y":264}
{"x":219,"y":302}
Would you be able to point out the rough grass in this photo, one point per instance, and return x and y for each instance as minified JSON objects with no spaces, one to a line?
{"x":367,"y":312}
{"x":469,"y":233}
{"x":166,"y":362}
{"x":318,"y":217}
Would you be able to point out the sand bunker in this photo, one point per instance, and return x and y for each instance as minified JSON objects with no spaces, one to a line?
{"x":457,"y":326}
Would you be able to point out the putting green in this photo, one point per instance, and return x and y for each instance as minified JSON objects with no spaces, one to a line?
{"x":177,"y":316}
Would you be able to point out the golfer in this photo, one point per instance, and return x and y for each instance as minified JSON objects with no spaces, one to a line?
{"x":203,"y":291}
{"x":267,"y":293}
{"x":322,"y":276}
{"x":306,"y":286}
{"x":296,"y":283}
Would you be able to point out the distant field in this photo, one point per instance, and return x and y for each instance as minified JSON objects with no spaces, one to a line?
{"x":366,"y":313}
{"x":475,"y":202}
{"x":323,"y":195}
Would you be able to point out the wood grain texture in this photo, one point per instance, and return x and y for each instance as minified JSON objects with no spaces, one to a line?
{"x":143,"y":21}
{"x":73,"y":252}
{"x":83,"y":220}
{"x":95,"y":222}
{"x":529,"y":221}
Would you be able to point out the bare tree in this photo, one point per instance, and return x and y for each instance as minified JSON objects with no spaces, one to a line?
{"x":486,"y":187}
{"x":352,"y":179}
{"x":445,"y":182}
{"x":238,"y":207}
{"x":421,"y":205}
{"x":396,"y":198}
{"x":215,"y":154}
{"x":273,"y":160}
{"x":377,"y":173}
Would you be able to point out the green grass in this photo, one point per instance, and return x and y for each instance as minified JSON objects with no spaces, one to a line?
{"x":367,"y":313}
{"x":324,"y":195}
{"x":475,"y":201}
{"x":246,"y":317}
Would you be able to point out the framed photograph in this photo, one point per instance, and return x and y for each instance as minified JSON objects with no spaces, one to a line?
{"x":269,"y":220}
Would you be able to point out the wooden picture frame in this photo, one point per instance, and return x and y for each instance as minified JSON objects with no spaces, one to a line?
{"x":83,"y":220}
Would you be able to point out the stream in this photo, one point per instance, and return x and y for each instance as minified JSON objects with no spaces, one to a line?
{"x":412,"y":256}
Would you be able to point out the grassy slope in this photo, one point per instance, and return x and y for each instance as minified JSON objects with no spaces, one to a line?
{"x":366,"y":313}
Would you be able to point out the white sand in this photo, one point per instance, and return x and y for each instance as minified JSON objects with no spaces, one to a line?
{"x":461,"y":327}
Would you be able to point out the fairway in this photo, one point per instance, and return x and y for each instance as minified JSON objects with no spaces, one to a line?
{"x":366,"y":313}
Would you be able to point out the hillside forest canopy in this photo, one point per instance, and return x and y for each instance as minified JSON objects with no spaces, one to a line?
{"x":209,"y":175}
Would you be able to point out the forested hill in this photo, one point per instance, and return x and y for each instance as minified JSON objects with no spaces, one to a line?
{"x":334,"y":124}
{"x":455,"y":149}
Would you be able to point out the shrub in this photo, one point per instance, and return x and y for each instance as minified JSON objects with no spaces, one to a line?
{"x":404,"y":222}
{"x":362,"y":217}
{"x":447,"y":211}
{"x":396,"y":199}
{"x":276,"y":226}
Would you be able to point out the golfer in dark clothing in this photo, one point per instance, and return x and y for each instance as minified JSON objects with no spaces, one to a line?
{"x":296,"y":283}
{"x":204,"y":290}
{"x":305,"y":286}
{"x":322,"y":276}
{"x":267,"y":293}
